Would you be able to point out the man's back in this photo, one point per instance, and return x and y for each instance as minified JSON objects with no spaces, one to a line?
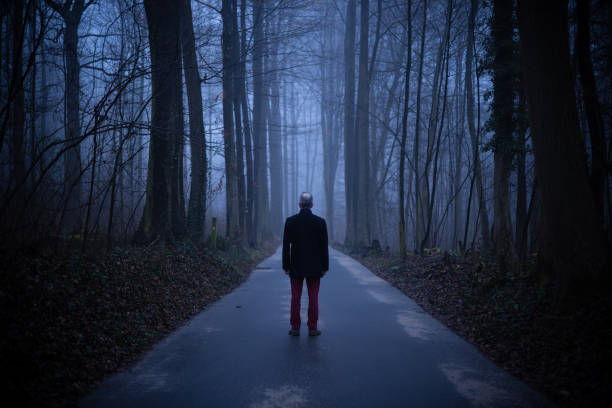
{"x":305,"y":257}
{"x":305,"y":251}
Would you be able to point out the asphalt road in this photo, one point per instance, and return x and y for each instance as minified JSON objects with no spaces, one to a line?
{"x":378,"y":349}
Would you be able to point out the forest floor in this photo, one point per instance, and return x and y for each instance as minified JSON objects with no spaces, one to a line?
{"x":69,"y":321}
{"x":563,"y":352}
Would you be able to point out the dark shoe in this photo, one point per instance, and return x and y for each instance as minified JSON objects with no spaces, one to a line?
{"x":293,"y":332}
{"x":314,"y":332}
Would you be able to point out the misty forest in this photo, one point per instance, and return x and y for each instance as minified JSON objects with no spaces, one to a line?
{"x":150,"y":152}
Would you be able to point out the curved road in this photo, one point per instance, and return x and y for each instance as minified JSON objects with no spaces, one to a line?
{"x":378,"y":349}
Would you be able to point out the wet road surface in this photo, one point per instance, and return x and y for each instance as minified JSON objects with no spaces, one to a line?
{"x":378,"y":349}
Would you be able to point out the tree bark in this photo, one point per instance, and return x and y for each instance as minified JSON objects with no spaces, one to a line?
{"x":33,"y":95}
{"x":350,"y":141}
{"x":362,"y":129}
{"x":285,"y":133}
{"x":295,"y":143}
{"x":503,"y":125}
{"x":177,"y":184}
{"x":259,"y":124}
{"x":573,"y":250}
{"x":469,"y":60}
{"x":426,"y":194}
{"x":274,"y":124}
{"x":402,"y":220}
{"x":16,"y":91}
{"x":196,"y":214}
{"x":331,"y":142}
{"x":419,"y":230}
{"x":521,"y":180}
{"x":436,"y":153}
{"x":591,"y":106}
{"x":457,"y":176}
{"x":72,"y":161}
{"x":249,"y":221}
{"x":162,"y":205}
{"x":237,"y":85}
{"x":231,"y":184}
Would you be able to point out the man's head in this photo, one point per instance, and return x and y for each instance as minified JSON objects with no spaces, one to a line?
{"x":305,"y":200}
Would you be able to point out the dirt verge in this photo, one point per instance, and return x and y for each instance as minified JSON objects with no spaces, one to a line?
{"x":70,"y":321}
{"x":513,"y":320}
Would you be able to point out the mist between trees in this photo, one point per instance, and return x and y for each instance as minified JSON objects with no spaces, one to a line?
{"x":416,"y":124}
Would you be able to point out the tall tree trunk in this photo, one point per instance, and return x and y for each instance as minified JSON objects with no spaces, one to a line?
{"x":196,"y":213}
{"x":591,"y":105}
{"x":265,"y":140}
{"x":113,"y":190}
{"x":362,"y":130}
{"x":177,"y":164}
{"x":436,"y":153}
{"x":402,"y":222}
{"x":372,"y":221}
{"x":249,"y":220}
{"x":259,"y":124}
{"x":419,"y":230}
{"x":329,"y":133}
{"x":18,"y":109}
{"x":502,"y":122}
{"x":457,"y":176}
{"x":285,"y":133}
{"x":72,"y":161}
{"x":44,"y":103}
{"x":33,"y":101}
{"x":350,"y":141}
{"x":274,"y":125}
{"x":294,"y":148}
{"x":573,"y":251}
{"x":469,"y":60}
{"x":295,"y":156}
{"x":117,"y":148}
{"x":521,"y":179}
{"x":231,"y":184}
{"x":161,"y":206}
{"x":535,"y":221}
{"x":237,"y":88}
{"x":326,"y":119}
{"x":426,"y":193}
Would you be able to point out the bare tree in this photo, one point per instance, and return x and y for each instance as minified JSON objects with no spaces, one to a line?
{"x":402,"y":222}
{"x":573,"y":249}
{"x":197,"y":138}
{"x":259,"y":122}
{"x":419,"y":230}
{"x":274,"y":125}
{"x":362,"y":131}
{"x":503,"y":78}
{"x":250,"y":186}
{"x":231,"y":182}
{"x":350,"y":142}
{"x":17,"y":94}
{"x":237,"y":88}
{"x":329,"y":133}
{"x":474,"y":133}
{"x":161,"y":214}
{"x":71,"y":15}
{"x":591,"y":104}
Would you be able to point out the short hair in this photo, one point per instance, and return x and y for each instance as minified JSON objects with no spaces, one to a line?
{"x":305,"y":200}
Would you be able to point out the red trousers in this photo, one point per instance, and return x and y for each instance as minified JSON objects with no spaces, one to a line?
{"x":313,"y":301}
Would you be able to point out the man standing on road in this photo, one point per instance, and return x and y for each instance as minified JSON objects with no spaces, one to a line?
{"x":305,"y":255}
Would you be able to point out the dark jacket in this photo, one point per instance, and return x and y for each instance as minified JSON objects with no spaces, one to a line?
{"x":305,"y":251}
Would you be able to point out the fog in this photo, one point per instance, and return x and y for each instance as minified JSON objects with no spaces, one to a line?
{"x":295,"y":96}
